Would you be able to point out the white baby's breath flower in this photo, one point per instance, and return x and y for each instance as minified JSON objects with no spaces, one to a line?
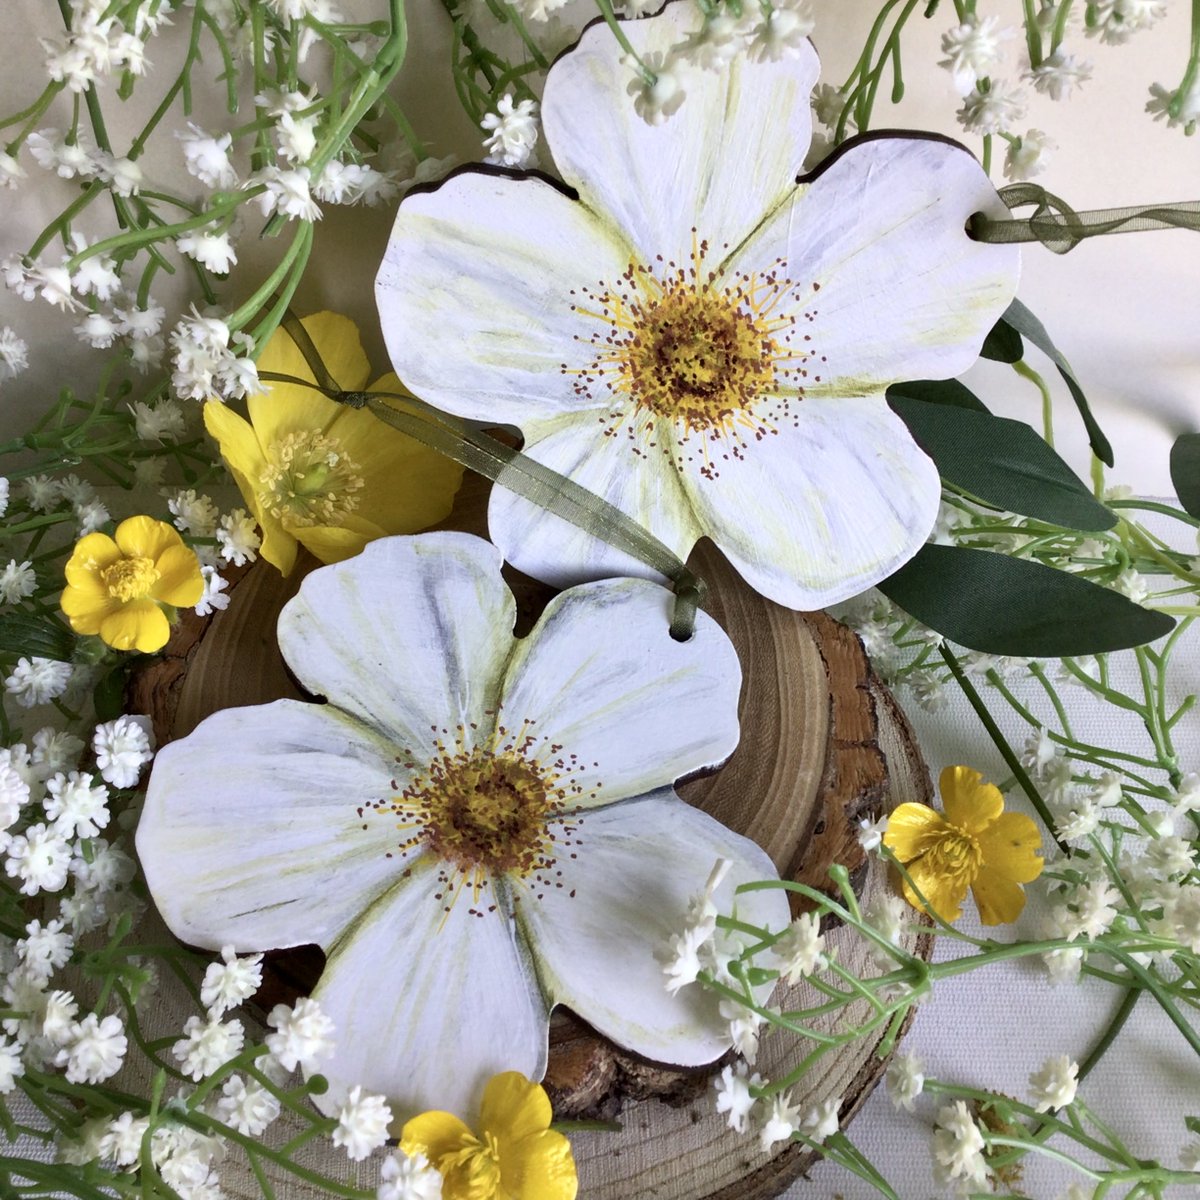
{"x":11,"y":171}
{"x":140,"y":323}
{"x":14,"y":795}
{"x":213,"y":598}
{"x":40,"y":858}
{"x":1053,"y":1085}
{"x":1116,"y":21}
{"x":716,"y":43}
{"x":1076,"y":817}
{"x":1059,"y":74}
{"x":44,"y":948}
{"x":801,"y":948}
{"x":123,"y":175}
{"x":1091,"y":910}
{"x":1028,"y":155}
{"x":821,"y":1122}
{"x":94,"y":1051}
{"x":207,"y":158}
{"x":14,"y":354}
{"x":106,"y":869}
{"x":228,"y":983}
{"x":91,"y":516}
{"x":55,"y":750}
{"x":734,"y":1096}
{"x":1132,"y":584}
{"x":213,"y":251}
{"x":207,"y":1045}
{"x":408,"y":1177}
{"x":958,"y":1146}
{"x":122,"y":747}
{"x":123,"y":1141}
{"x":657,"y":98}
{"x":35,"y":681}
{"x":248,"y":1107}
{"x":973,"y":50}
{"x":993,"y":111}
{"x":285,"y":192}
{"x":512,"y":132}
{"x":193,"y":512}
{"x":53,"y":285}
{"x":905,"y":1079}
{"x":17,"y":581}
{"x":296,"y":136}
{"x":304,"y":1034}
{"x":1187,"y":796}
{"x":362,"y":1124}
{"x":98,"y":329}
{"x":780,"y":1121}
{"x":162,"y":422}
{"x":238,"y":537}
{"x":53,"y":152}
{"x":871,"y":831}
{"x":783,"y":32}
{"x":12,"y":1065}
{"x":76,"y":807}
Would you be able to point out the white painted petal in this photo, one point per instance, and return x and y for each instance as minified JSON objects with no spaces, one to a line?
{"x":721,"y":163}
{"x":904,"y":293}
{"x":606,"y":683}
{"x":411,"y":633}
{"x":428,"y":1005}
{"x":475,"y":295}
{"x":253,"y":831}
{"x":598,"y":941}
{"x":836,"y":500}
{"x":614,"y":467}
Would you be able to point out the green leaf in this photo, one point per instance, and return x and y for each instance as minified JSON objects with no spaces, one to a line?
{"x":938,"y":391}
{"x":1002,"y":605}
{"x":108,"y":696}
{"x":1024,"y":322}
{"x":1004,"y":463}
{"x":1003,"y":343}
{"x":1185,"y":471}
{"x":1192,"y":1123}
{"x":41,"y":637}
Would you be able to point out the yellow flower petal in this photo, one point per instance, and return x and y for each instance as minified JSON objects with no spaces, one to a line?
{"x":909,"y":829}
{"x":86,"y":609}
{"x":180,"y":581}
{"x":144,"y":537}
{"x":288,"y":407}
{"x":999,"y":899}
{"x":968,"y":802}
{"x":945,"y":893}
{"x":434,"y":1134}
{"x":513,"y":1108}
{"x":332,"y":543}
{"x":540,"y":1167}
{"x":1010,"y":847}
{"x":91,"y":555}
{"x":237,"y":442}
{"x":138,"y":625}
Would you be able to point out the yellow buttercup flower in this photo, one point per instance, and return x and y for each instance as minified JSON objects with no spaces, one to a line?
{"x":318,"y":474}
{"x":515,"y":1156}
{"x":976,"y":844}
{"x":117,"y":586}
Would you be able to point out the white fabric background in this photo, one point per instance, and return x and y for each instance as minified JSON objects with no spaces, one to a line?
{"x":1124,"y":311}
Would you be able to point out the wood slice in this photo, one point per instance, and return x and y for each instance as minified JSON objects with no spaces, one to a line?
{"x":820,"y":736}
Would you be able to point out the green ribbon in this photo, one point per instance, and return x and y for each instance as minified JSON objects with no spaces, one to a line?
{"x":1060,"y":228}
{"x":488,"y":456}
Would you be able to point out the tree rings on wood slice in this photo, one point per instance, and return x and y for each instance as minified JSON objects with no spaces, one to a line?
{"x":822,"y":746}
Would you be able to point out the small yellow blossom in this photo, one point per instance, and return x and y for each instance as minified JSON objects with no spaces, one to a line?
{"x":117,"y":586}
{"x":318,"y":474}
{"x":516,"y":1155}
{"x":976,"y":844}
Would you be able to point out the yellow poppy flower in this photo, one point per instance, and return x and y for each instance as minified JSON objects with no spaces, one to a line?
{"x":117,"y":586}
{"x":516,"y":1156}
{"x":318,"y":474}
{"x":976,"y":844}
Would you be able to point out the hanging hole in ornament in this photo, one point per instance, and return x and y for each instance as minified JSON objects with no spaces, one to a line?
{"x":974,"y":226}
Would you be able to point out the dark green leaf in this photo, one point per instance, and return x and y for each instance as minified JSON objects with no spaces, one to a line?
{"x":1185,"y":471}
{"x":938,"y":391}
{"x":41,"y":637}
{"x":1003,"y":344}
{"x":108,"y":696}
{"x":1022,"y":320}
{"x":1002,"y":462}
{"x":1003,"y":605}
{"x":1192,"y":1123}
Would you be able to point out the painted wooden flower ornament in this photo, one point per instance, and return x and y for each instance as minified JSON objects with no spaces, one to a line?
{"x":474,"y":827}
{"x":691,"y":332}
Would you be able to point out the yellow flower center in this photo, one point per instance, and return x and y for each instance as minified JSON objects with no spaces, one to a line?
{"x":309,"y":480}
{"x":954,"y":854}
{"x":130,"y":578}
{"x":706,"y":352}
{"x":500,"y":807}
{"x":473,"y":1172}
